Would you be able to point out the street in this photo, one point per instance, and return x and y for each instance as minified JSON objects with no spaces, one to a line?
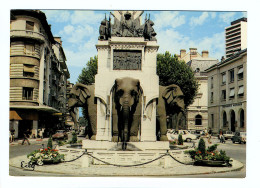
{"x":236,"y":151}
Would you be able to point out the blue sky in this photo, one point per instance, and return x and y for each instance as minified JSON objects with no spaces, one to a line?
{"x":79,"y":31}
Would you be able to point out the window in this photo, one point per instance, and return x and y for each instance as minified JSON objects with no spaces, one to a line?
{"x":240,"y":73}
{"x":27,"y":93}
{"x":29,"y":25}
{"x":29,"y":48}
{"x":232,"y":93}
{"x":198,"y":120}
{"x":241,"y":91}
{"x":211,"y":97}
{"x":225,"y":119}
{"x":231,"y":75}
{"x":28,"y":70}
{"x":223,"y":78}
{"x":223,"y":95}
{"x":211,"y":82}
{"x":242,"y":119}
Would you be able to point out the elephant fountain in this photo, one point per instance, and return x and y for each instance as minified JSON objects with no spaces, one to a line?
{"x":126,"y":111}
{"x":171,"y":100}
{"x":83,"y":95}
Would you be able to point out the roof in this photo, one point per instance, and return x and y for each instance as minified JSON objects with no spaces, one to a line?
{"x":36,"y":14}
{"x":241,"y":52}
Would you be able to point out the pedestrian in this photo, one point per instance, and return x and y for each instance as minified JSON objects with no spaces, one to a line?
{"x":12,"y":134}
{"x":210,"y":132}
{"x":221,"y":137}
{"x":26,"y":136}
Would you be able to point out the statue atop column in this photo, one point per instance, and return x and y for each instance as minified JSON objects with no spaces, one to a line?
{"x":127,"y":24}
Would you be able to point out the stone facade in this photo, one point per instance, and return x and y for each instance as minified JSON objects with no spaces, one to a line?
{"x":38,"y":74}
{"x":197,"y":112}
{"x":227,"y":93}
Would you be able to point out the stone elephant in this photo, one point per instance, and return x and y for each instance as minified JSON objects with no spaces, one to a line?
{"x":83,"y":95}
{"x":126,"y":112}
{"x":171,"y":99}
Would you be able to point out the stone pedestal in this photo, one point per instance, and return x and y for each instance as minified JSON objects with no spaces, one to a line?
{"x":108,"y":72}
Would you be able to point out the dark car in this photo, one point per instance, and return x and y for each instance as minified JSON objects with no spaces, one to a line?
{"x":60,"y":134}
{"x":239,"y":137}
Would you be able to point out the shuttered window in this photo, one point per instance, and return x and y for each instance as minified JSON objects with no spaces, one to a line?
{"x":29,"y":25}
{"x":28,"y":70}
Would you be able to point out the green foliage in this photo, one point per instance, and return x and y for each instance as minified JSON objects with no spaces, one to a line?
{"x":88,"y":73}
{"x":38,"y":156}
{"x":210,"y":154}
{"x":202,"y":146}
{"x":49,"y":144}
{"x":172,"y":71}
{"x":61,"y":142}
{"x":180,"y":140}
{"x":212,"y":148}
{"x":74,"y":138}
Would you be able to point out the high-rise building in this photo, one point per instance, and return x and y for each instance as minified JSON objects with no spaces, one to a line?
{"x":236,"y":36}
{"x":38,"y":74}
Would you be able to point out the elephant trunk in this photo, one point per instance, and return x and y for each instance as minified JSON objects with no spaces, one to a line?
{"x":125,"y":125}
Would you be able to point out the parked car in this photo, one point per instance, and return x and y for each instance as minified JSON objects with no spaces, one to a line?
{"x":198,"y":133}
{"x":239,"y":137}
{"x":60,"y":134}
{"x":186,"y":136}
{"x":228,"y":134}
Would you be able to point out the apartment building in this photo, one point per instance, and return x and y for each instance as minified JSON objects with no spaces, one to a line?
{"x":236,"y":36}
{"x":38,"y":74}
{"x":227,"y":97}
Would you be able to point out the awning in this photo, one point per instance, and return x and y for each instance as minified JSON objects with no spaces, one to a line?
{"x":241,"y":70}
{"x":232,"y":93}
{"x":241,"y":90}
{"x":28,"y":68}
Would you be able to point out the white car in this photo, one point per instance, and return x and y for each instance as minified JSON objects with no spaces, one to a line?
{"x":186,"y":136}
{"x":228,"y":135}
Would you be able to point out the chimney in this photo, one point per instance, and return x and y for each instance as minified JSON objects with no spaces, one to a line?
{"x":183,"y":53}
{"x":205,"y":53}
{"x":193,"y":53}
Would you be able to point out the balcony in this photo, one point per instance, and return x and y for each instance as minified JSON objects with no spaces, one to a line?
{"x":27,"y":34}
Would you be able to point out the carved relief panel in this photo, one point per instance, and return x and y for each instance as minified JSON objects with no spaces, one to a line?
{"x":127,"y":60}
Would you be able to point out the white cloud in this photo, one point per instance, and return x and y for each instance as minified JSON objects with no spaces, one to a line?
{"x":227,"y":17}
{"x":57,"y":15}
{"x":75,"y":34}
{"x":172,"y":19}
{"x":173,"y":41}
{"x":199,"y":20}
{"x":83,"y":17}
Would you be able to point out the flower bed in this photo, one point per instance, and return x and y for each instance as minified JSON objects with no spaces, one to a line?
{"x":210,"y":156}
{"x":45,"y":156}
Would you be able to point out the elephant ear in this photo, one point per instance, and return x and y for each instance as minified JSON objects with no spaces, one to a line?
{"x":171,"y":92}
{"x":81,"y":91}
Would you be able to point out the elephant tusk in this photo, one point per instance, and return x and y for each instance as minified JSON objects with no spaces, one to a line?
{"x":121,"y":108}
{"x":130,"y":108}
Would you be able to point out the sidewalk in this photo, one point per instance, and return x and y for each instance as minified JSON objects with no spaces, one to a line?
{"x":77,"y":168}
{"x":31,"y":140}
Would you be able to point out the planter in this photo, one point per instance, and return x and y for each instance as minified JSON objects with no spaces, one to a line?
{"x":50,"y":161}
{"x":211,"y":163}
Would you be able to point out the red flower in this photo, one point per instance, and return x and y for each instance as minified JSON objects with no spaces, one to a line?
{"x":46,"y":149}
{"x":199,"y":152}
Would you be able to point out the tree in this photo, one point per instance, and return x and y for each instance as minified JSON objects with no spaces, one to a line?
{"x":88,"y":73}
{"x":173,"y":71}
{"x":87,"y":76}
